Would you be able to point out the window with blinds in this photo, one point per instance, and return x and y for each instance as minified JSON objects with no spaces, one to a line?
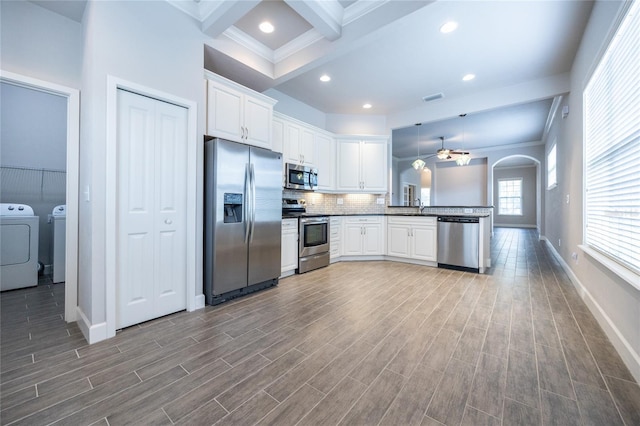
{"x":510,"y":197}
{"x":612,"y":147}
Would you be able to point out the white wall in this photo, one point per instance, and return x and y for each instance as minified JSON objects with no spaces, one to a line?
{"x":296,"y":109}
{"x":455,"y":185}
{"x":529,"y":196}
{"x":34,"y":128}
{"x":41,"y":44}
{"x":614,"y":302}
{"x":348,"y":124}
{"x":150,"y":44}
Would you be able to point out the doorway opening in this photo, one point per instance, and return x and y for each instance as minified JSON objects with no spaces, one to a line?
{"x":56,"y":183}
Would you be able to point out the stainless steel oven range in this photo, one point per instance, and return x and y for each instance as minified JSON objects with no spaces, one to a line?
{"x":314,"y":243}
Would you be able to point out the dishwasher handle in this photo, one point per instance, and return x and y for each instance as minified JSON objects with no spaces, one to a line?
{"x":459,"y":219}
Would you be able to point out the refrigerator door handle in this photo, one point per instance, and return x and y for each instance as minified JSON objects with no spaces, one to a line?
{"x":252,"y":180}
{"x":247,"y":207}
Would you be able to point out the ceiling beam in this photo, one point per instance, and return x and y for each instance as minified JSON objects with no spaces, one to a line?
{"x":324,"y":15}
{"x":225,"y":14}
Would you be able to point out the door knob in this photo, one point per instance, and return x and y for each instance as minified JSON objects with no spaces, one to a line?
{"x":168,"y":221}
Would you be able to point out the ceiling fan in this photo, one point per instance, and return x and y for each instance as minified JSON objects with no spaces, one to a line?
{"x":462,"y":157}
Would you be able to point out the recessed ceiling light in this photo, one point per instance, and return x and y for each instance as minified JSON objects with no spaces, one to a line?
{"x":266,"y":27}
{"x":324,"y":78}
{"x":468,"y":77}
{"x":448,"y":27}
{"x":366,"y":106}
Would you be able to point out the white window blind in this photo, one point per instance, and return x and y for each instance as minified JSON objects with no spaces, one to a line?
{"x":510,"y":197}
{"x":552,"y":180}
{"x":612,"y":147}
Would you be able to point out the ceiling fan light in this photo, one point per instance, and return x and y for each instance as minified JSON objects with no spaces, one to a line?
{"x":463,"y":160}
{"x":418,"y":164}
{"x":443,"y":154}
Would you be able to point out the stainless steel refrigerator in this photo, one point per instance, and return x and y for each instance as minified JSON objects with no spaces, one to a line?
{"x":243,"y":217}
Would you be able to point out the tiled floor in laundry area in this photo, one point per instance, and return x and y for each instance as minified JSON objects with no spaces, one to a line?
{"x":357,"y":343}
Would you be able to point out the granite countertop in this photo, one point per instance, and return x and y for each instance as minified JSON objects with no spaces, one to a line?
{"x":385,"y":214}
{"x":443,"y":207}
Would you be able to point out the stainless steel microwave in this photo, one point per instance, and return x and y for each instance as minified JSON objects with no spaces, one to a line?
{"x":300,"y":177}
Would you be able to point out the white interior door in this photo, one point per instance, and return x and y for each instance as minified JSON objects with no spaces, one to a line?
{"x":152,"y":195}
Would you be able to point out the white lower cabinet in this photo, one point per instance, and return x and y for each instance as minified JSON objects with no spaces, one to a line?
{"x":289,"y":253}
{"x":335,"y":238}
{"x":412,"y":237}
{"x":363,"y":236}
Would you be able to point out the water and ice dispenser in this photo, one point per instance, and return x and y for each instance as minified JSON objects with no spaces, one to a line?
{"x":232,"y":208}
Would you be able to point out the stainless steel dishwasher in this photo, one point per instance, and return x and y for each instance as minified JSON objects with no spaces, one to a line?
{"x":458,"y":243}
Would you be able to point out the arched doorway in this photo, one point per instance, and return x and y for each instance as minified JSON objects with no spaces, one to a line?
{"x":520,"y":178}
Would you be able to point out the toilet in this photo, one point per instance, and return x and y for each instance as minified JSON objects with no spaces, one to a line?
{"x":18,"y":246}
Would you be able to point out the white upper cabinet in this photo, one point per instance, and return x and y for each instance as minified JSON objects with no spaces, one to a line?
{"x":237,"y":113}
{"x":298,"y":143}
{"x":325,"y":159}
{"x":362,"y":164}
{"x":277,"y":132}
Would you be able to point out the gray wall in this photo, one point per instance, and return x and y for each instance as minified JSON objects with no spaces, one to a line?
{"x":614,"y":302}
{"x":455,"y":185}
{"x":529,"y":196}
{"x":33,"y":146}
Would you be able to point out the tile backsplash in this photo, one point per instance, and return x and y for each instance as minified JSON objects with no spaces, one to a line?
{"x":318,"y":203}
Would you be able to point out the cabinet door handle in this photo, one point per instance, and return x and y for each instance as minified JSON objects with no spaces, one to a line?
{"x":246,"y":134}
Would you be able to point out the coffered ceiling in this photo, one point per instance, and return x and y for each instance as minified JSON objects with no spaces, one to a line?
{"x":391,"y":54}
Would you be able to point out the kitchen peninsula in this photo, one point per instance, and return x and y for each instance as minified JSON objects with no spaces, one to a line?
{"x":361,"y":228}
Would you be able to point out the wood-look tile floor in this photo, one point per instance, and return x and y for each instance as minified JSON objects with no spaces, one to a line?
{"x":358,"y":343}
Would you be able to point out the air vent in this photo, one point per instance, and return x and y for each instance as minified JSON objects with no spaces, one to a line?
{"x":433,"y":97}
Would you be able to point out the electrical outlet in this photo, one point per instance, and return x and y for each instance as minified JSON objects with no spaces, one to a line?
{"x":567,"y":199}
{"x":574,"y":256}
{"x":380,"y":201}
{"x":340,"y":201}
{"x":559,"y":242}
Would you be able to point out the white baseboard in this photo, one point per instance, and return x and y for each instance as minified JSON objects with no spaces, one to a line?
{"x":620,"y":343}
{"x":93,"y":333}
{"x":513,"y":225}
{"x":199,"y":302}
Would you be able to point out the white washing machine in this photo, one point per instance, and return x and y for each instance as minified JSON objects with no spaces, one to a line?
{"x":18,"y":246}
{"x":58,"y":229}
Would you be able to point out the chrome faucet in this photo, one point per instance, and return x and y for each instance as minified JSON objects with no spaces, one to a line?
{"x":420,"y":204}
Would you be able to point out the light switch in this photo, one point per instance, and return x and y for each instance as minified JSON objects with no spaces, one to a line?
{"x":567,"y":199}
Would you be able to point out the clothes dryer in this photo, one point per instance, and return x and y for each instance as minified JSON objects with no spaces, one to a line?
{"x":18,"y":246}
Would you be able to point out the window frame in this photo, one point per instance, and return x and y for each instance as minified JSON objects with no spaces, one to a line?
{"x":552,"y":184}
{"x":520,"y":197}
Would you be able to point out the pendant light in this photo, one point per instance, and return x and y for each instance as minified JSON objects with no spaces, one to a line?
{"x":418,"y":164}
{"x":464,"y":158}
